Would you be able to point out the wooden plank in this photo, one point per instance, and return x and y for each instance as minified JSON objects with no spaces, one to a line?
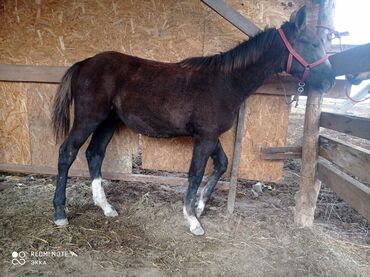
{"x":53,"y":74}
{"x":174,"y":154}
{"x":265,"y":125}
{"x":236,"y":159}
{"x":14,"y":124}
{"x":309,"y":187}
{"x":127,"y":177}
{"x":31,"y":73}
{"x":353,"y":159}
{"x":351,"y":61}
{"x":235,"y":18}
{"x":351,"y":125}
{"x":281,"y":153}
{"x":351,"y":190}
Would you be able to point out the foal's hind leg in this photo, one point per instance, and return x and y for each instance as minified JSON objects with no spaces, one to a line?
{"x":67,"y":154}
{"x":220,"y":166}
{"x":95,"y":154}
{"x":203,"y":147}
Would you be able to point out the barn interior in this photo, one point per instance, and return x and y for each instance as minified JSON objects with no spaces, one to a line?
{"x":145,"y":178}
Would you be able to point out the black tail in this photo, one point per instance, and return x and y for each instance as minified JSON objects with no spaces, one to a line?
{"x":62,"y":102}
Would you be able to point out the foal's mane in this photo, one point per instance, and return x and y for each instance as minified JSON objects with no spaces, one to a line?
{"x":242,"y":55}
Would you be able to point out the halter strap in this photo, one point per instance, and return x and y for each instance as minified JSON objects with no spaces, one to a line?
{"x":293,"y":54}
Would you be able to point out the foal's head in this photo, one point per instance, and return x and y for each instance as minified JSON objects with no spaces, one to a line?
{"x":309,"y":46}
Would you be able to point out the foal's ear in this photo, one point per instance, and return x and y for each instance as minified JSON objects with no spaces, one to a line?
{"x":299,"y":19}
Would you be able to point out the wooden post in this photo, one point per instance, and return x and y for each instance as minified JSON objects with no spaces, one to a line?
{"x":250,"y":29}
{"x":306,"y":197}
{"x":309,"y":187}
{"x":236,"y":160}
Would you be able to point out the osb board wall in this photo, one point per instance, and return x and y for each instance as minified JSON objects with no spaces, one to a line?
{"x":60,"y":32}
{"x":219,"y":35}
{"x":44,"y":150}
{"x":265,"y":126}
{"x":63,"y":32}
{"x":175,"y":154}
{"x":14,"y":135}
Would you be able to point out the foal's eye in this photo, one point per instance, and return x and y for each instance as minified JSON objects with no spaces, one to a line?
{"x":316,"y":44}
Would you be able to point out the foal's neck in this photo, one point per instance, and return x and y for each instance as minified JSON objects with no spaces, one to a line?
{"x":265,"y":56}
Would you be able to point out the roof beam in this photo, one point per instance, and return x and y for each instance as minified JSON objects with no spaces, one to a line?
{"x":239,"y":21}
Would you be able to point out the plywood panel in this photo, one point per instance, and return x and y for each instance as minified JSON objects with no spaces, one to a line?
{"x":44,"y":150}
{"x":120,"y":152}
{"x":266,"y":12}
{"x":14,"y":137}
{"x":175,"y":154}
{"x":265,"y":126}
{"x":63,"y":32}
{"x":39,"y":101}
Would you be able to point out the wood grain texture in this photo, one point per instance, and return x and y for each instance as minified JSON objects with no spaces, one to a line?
{"x":14,"y":133}
{"x":281,"y":153}
{"x":32,"y":73}
{"x":309,"y":187}
{"x":284,"y":85}
{"x":353,"y":159}
{"x":236,"y":159}
{"x":174,"y":154}
{"x":351,"y":190}
{"x":65,"y":31}
{"x":44,"y":150}
{"x":351,"y":125}
{"x":165,"y":30}
{"x":128,"y":177}
{"x":235,"y":18}
{"x":265,"y":125}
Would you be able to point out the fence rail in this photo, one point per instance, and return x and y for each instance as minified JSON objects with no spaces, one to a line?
{"x":341,"y":163}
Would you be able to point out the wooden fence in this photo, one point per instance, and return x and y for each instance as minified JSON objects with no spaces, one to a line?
{"x":342,"y":166}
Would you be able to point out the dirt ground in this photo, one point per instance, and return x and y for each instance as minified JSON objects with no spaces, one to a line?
{"x":150,"y":238}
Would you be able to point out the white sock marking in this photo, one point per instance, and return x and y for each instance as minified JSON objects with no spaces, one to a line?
{"x":194,"y":224}
{"x":201,"y":204}
{"x":200,"y":207}
{"x":100,"y":199}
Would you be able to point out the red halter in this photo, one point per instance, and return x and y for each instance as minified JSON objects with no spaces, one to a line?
{"x":292,"y":53}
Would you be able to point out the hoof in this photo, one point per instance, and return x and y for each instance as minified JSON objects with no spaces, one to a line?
{"x":61,"y":222}
{"x":110,"y":212}
{"x":198,"y":231}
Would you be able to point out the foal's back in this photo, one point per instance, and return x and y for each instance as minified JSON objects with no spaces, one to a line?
{"x":154,"y":98}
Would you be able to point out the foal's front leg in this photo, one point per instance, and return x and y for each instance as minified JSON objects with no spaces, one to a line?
{"x":203,"y":147}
